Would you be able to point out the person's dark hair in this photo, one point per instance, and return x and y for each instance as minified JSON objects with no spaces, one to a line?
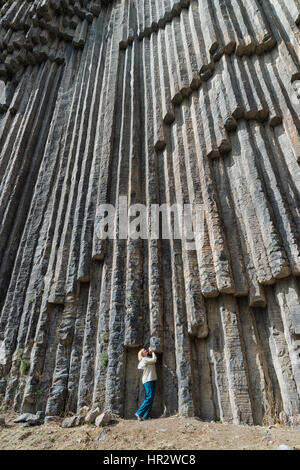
{"x":146,"y":347}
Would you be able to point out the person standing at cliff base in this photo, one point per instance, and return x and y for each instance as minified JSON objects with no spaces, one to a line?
{"x":147,"y":360}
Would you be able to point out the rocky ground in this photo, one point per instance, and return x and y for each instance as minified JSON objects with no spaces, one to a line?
{"x":162,"y":434}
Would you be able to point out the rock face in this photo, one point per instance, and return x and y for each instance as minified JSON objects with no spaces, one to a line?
{"x":162,"y":102}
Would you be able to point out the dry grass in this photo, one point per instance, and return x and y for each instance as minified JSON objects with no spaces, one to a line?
{"x":162,"y":434}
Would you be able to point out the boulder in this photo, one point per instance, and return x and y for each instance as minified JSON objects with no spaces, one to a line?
{"x":72,"y":421}
{"x":31,"y":419}
{"x":103,"y":419}
{"x":69,"y":422}
{"x":92,"y":415}
{"x":24,"y":417}
{"x":40,"y":415}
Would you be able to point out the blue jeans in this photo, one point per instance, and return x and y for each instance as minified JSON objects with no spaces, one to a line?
{"x":146,"y":406}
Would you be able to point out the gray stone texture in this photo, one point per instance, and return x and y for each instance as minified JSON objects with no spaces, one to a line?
{"x":103,"y":419}
{"x":72,"y":421}
{"x":163,"y":101}
{"x":92,"y":415}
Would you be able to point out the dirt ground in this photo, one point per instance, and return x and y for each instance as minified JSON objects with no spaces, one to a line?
{"x":170,"y":433}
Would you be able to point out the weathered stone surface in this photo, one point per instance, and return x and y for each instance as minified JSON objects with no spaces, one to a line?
{"x":72,"y":421}
{"x":92,"y":415}
{"x":23,"y":418}
{"x":30,"y":419}
{"x":69,"y":422}
{"x":189,"y":101}
{"x":103,"y":419}
{"x":101,"y":436}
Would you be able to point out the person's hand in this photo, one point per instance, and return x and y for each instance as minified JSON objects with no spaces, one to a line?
{"x":150,"y":350}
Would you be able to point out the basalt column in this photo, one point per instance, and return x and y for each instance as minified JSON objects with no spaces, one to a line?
{"x":160,"y":102}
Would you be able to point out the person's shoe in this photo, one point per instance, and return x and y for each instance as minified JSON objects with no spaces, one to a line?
{"x":138,"y":417}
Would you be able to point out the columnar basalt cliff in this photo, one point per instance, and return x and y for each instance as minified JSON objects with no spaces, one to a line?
{"x":161,"y":101}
